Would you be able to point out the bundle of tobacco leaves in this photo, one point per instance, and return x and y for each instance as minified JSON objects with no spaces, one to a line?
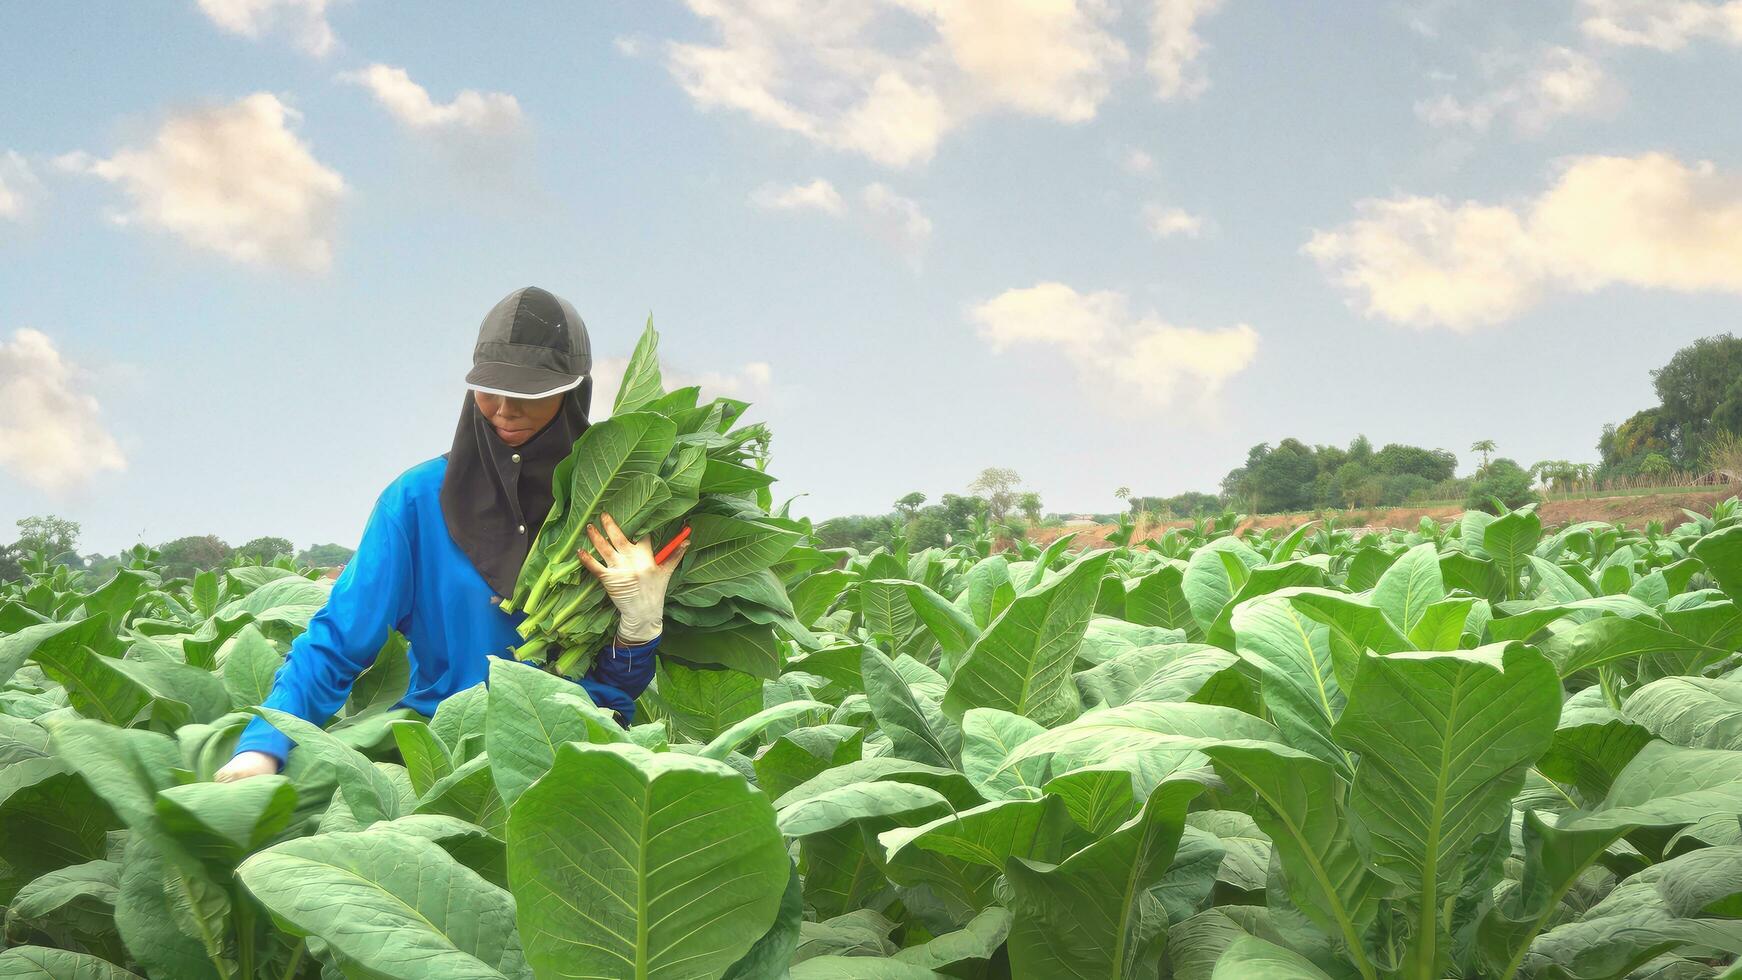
{"x":662,"y":461}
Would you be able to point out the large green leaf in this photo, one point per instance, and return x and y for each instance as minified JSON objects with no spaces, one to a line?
{"x":18,"y":647}
{"x":701,"y":705}
{"x":641,"y":382}
{"x":1699,"y":712}
{"x":952,"y":784}
{"x":1669,"y":785}
{"x":145,"y":913}
{"x":427,"y":760}
{"x":914,"y":732}
{"x":533,"y":712}
{"x":632,"y":864}
{"x":1355,"y":627}
{"x":1444,"y":740}
{"x":1658,"y":909}
{"x":1114,"y":733}
{"x":1023,"y":662}
{"x":249,"y":662}
{"x":859,"y":801}
{"x":288,"y":603}
{"x":1553,"y":861}
{"x":1299,"y":802}
{"x":1409,"y":586}
{"x":1118,"y":680}
{"x":1159,"y":599}
{"x":979,"y":940}
{"x":1092,"y":916}
{"x":462,"y":714}
{"x":368,"y":792}
{"x":43,"y":963}
{"x":125,"y":767}
{"x":1293,"y":653}
{"x":954,"y":630}
{"x":1250,"y":958}
{"x":222,"y":823}
{"x":1721,"y":551}
{"x":751,"y":648}
{"x":1209,"y":582}
{"x":728,"y":547}
{"x":960,"y":856}
{"x":397,"y":905}
{"x":468,"y":793}
{"x":1511,"y":540}
{"x":1592,"y":744}
{"x":988,"y":737}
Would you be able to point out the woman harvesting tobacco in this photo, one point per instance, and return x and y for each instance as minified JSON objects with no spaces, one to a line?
{"x":447,"y":539}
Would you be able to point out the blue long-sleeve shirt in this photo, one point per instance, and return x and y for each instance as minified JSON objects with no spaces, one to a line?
{"x":409,"y":575}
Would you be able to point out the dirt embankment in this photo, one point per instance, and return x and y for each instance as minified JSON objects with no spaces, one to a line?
{"x":1633,"y":511}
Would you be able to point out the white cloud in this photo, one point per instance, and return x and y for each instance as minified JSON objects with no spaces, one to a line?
{"x":1650,"y":221}
{"x":51,"y":434}
{"x":19,"y":187}
{"x":1134,"y":358}
{"x":818,"y":195}
{"x":231,"y":179}
{"x":1136,"y":162}
{"x":1175,"y":47}
{"x":887,"y":79}
{"x":472,"y":112}
{"x":1050,"y":58}
{"x":1561,"y":82}
{"x":898,"y":220}
{"x":1166,"y":222}
{"x":305,"y":19}
{"x":1666,"y":25}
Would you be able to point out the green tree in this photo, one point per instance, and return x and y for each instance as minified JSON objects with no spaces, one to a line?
{"x":183,"y":557}
{"x":1485,"y":447}
{"x":1505,"y":480}
{"x":52,"y":535}
{"x":1656,"y":465}
{"x":1360,"y":450}
{"x":997,"y":486}
{"x":263,"y":551}
{"x":1029,"y":503}
{"x":55,"y":538}
{"x":1432,"y":465}
{"x":1699,"y":389}
{"x":325,"y":556}
{"x":909,"y":505}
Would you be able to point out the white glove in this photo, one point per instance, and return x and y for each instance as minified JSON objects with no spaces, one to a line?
{"x":246,"y":765}
{"x":635,"y":584}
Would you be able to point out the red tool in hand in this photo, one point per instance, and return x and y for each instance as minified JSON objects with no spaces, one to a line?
{"x":671,"y":546}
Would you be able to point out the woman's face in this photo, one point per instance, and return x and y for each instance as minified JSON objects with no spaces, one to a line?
{"x":517,"y":419}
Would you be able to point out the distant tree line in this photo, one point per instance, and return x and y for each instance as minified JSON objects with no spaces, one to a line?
{"x":1694,"y":427}
{"x":57,"y":539}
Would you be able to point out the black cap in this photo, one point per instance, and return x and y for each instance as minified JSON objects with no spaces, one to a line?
{"x":530,"y":345}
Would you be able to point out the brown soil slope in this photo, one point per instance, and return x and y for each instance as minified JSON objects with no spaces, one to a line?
{"x":1632,"y":511}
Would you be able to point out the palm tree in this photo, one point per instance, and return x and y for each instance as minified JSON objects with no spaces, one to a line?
{"x":1483,"y":446}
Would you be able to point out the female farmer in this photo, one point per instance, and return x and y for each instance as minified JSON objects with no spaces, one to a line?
{"x":446,"y":540}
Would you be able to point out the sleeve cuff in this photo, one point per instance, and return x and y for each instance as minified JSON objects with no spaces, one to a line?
{"x":611,"y":699}
{"x":636,"y":650}
{"x":260,"y":736}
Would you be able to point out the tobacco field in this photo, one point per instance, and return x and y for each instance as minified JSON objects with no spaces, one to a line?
{"x":1477,"y":749}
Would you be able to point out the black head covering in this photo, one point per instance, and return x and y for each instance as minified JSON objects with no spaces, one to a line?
{"x":495,"y":496}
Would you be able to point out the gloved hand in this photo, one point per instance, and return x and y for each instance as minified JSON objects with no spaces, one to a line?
{"x":245,"y":765}
{"x":635,"y":584}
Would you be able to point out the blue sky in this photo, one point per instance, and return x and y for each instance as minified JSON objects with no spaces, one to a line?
{"x":245,"y":244}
